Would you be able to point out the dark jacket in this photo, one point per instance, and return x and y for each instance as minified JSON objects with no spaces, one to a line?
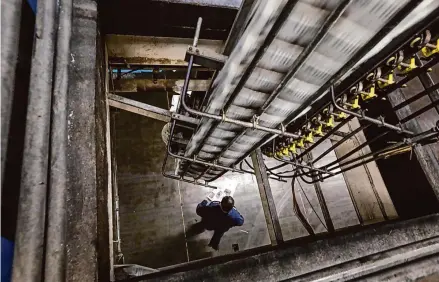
{"x":215,"y":219}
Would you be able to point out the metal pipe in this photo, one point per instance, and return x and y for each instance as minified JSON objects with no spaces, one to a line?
{"x":379,"y":152}
{"x":119,"y":254}
{"x":10,"y":23}
{"x":296,"y":163}
{"x":115,"y":192}
{"x":277,"y":177}
{"x":420,"y":111}
{"x":411,"y":75}
{"x":416,"y":97}
{"x":195,"y":160}
{"x":332,"y":168}
{"x":181,"y":178}
{"x":29,"y":241}
{"x":341,"y":141}
{"x":201,"y":174}
{"x":298,"y":63}
{"x":169,"y":152}
{"x":55,"y":253}
{"x":342,"y":170}
{"x":357,"y":149}
{"x":357,"y":165}
{"x":335,"y":129}
{"x":197,"y":32}
{"x":362,"y":116}
{"x":111,"y":160}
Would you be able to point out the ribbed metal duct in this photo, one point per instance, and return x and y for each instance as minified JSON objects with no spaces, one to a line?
{"x":225,"y":142}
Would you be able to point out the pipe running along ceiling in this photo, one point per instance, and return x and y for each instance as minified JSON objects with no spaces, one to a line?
{"x":349,"y":26}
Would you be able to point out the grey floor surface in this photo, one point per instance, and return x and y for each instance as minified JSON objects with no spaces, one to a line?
{"x":156,"y":212}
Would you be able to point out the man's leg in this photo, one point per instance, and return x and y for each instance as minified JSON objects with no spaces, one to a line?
{"x":216,"y":238}
{"x":195,"y":229}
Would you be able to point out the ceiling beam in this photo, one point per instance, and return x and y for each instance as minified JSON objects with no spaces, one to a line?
{"x":145,"y":85}
{"x":153,"y":51}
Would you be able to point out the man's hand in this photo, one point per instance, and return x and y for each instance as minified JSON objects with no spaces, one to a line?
{"x":203,"y":203}
{"x":201,"y":207}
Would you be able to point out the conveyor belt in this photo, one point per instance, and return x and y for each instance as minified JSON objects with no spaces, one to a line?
{"x":227,"y":143}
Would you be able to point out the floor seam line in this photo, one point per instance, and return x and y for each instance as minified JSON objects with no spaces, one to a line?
{"x":184,"y":225}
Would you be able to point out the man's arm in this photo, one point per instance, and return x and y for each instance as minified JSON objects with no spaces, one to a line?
{"x":237,"y":218}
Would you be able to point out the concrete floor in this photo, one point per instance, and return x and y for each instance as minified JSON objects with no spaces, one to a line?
{"x":156,"y":212}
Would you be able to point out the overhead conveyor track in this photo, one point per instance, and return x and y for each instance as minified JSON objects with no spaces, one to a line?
{"x":239,"y":117}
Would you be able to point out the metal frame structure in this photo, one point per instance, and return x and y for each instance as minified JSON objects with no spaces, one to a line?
{"x":301,"y":169}
{"x":371,"y":64}
{"x":362,"y":52}
{"x":65,"y":162}
{"x":253,"y":124}
{"x":319,"y":174}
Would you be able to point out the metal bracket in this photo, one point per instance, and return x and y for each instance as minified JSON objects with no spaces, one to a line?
{"x":205,"y":57}
{"x":296,"y":163}
{"x":364,"y":117}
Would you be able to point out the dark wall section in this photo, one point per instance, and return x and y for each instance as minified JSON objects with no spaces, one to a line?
{"x":102,"y":176}
{"x":161,"y":18}
{"x":294,"y":261}
{"x":406,"y":180}
{"x":151,"y":227}
{"x":11,"y":181}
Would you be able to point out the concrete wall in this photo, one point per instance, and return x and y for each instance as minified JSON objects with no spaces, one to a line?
{"x":315,"y":258}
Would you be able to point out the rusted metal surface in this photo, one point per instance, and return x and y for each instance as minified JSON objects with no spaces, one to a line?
{"x":148,"y":50}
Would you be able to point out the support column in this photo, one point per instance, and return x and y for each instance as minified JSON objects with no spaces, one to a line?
{"x":268,"y":204}
{"x":10,"y":22}
{"x":87,"y":235}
